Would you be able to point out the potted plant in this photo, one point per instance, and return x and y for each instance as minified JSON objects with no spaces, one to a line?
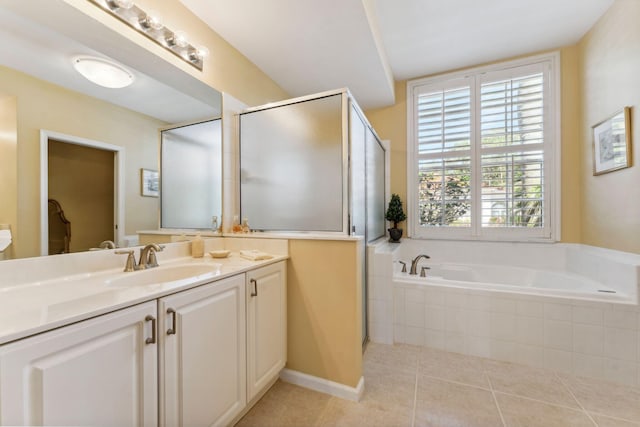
{"x":395,"y":214}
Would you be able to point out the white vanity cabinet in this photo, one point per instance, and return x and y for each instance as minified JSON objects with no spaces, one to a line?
{"x":193,"y":358}
{"x":203,"y":353}
{"x":267,"y":326}
{"x":98,"y":371}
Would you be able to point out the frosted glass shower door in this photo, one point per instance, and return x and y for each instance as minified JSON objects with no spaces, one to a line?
{"x":291,"y":162}
{"x":375,"y":188}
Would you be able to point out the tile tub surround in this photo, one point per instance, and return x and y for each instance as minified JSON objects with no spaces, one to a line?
{"x":417,"y":386}
{"x":598,"y":340}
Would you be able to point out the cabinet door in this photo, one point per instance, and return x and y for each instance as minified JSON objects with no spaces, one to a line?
{"x":101,"y":371}
{"x":267,"y":329}
{"x":202,"y":365}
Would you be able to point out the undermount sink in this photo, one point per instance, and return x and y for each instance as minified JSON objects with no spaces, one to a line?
{"x":166,"y":274}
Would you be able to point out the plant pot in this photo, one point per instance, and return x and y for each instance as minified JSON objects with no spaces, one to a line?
{"x":395,"y":234}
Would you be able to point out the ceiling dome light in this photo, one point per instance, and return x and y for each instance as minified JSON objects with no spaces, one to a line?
{"x":103,"y":72}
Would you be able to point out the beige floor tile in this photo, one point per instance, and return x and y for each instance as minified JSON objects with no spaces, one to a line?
{"x":453,"y":367}
{"x":450,"y":392}
{"x":605,"y":398}
{"x":530,"y":382}
{"x":399,"y":357}
{"x":603,"y":421}
{"x":387,"y":389}
{"x":344,"y":413}
{"x":520,"y":412}
{"x":286,"y":405}
{"x":445,"y":404}
{"x":265,"y":413}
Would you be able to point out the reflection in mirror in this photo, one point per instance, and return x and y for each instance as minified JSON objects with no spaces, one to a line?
{"x":59,"y":229}
{"x":191,"y":161}
{"x":49,"y":95}
{"x":81,"y":178}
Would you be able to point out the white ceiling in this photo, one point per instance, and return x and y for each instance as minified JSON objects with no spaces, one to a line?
{"x":309,"y":46}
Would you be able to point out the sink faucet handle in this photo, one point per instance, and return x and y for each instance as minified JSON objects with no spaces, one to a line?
{"x":404,"y":266}
{"x":152,"y":261}
{"x":423,"y":271}
{"x":131,"y":260}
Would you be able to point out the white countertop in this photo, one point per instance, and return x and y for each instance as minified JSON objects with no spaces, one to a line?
{"x":31,"y":308}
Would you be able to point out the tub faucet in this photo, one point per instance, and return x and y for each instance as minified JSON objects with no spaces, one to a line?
{"x":148,"y":256}
{"x":414,"y":263}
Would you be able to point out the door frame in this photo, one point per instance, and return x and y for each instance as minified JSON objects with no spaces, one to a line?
{"x":118,"y":185}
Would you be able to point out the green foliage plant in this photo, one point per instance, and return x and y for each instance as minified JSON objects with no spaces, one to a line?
{"x":395,"y":213}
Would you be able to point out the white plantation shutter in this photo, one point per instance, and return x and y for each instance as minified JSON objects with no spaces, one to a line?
{"x":481,"y":152}
{"x":444,"y":154}
{"x":512,"y":124}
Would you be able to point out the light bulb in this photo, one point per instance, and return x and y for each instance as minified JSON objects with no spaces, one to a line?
{"x":181,"y":38}
{"x":202,"y":52}
{"x":119,"y":4}
{"x":124,"y":4}
{"x":151,"y":20}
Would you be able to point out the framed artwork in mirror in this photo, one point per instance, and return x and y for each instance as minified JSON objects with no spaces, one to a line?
{"x":612,"y":143}
{"x":150,"y":183}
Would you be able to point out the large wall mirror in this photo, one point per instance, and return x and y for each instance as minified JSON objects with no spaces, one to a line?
{"x":41,"y":94}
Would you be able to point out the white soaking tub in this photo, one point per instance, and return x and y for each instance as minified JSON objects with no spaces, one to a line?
{"x":516,"y":280}
{"x":566,"y":307}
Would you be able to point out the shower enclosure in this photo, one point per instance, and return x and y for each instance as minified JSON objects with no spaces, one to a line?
{"x":313,"y":164}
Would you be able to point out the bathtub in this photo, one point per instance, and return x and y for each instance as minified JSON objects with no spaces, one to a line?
{"x":520,"y":280}
{"x":565,"y":307}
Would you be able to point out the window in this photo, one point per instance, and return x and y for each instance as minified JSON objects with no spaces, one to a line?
{"x":482,"y":152}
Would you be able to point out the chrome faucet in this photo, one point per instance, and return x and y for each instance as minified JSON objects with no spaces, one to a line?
{"x":414,"y":263}
{"x":148,"y":256}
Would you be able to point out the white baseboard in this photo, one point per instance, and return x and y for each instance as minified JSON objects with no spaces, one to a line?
{"x":322,"y":385}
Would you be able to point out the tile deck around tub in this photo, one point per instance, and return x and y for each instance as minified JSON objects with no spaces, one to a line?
{"x":417,"y":386}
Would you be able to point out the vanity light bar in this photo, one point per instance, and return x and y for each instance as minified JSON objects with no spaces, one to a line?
{"x":150,"y":24}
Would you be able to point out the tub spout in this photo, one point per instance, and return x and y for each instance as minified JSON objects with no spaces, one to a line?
{"x":414,"y":264}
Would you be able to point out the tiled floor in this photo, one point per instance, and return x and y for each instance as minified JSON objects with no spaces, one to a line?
{"x":416,"y":386}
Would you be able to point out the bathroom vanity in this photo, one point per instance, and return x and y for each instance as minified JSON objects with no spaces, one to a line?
{"x":192,"y":342}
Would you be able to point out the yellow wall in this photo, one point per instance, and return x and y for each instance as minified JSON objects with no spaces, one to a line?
{"x":8,"y":168}
{"x":41,"y":105}
{"x":324,"y":309}
{"x":609,"y":81}
{"x":391,"y":123}
{"x":81,"y":180}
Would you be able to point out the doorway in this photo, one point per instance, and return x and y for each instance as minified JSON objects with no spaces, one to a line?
{"x":84,"y":178}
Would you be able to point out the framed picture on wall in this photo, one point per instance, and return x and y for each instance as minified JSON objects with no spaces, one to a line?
{"x":150,"y":183}
{"x":612,"y":143}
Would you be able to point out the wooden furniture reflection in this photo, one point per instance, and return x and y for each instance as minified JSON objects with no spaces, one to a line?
{"x":59,"y":229}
